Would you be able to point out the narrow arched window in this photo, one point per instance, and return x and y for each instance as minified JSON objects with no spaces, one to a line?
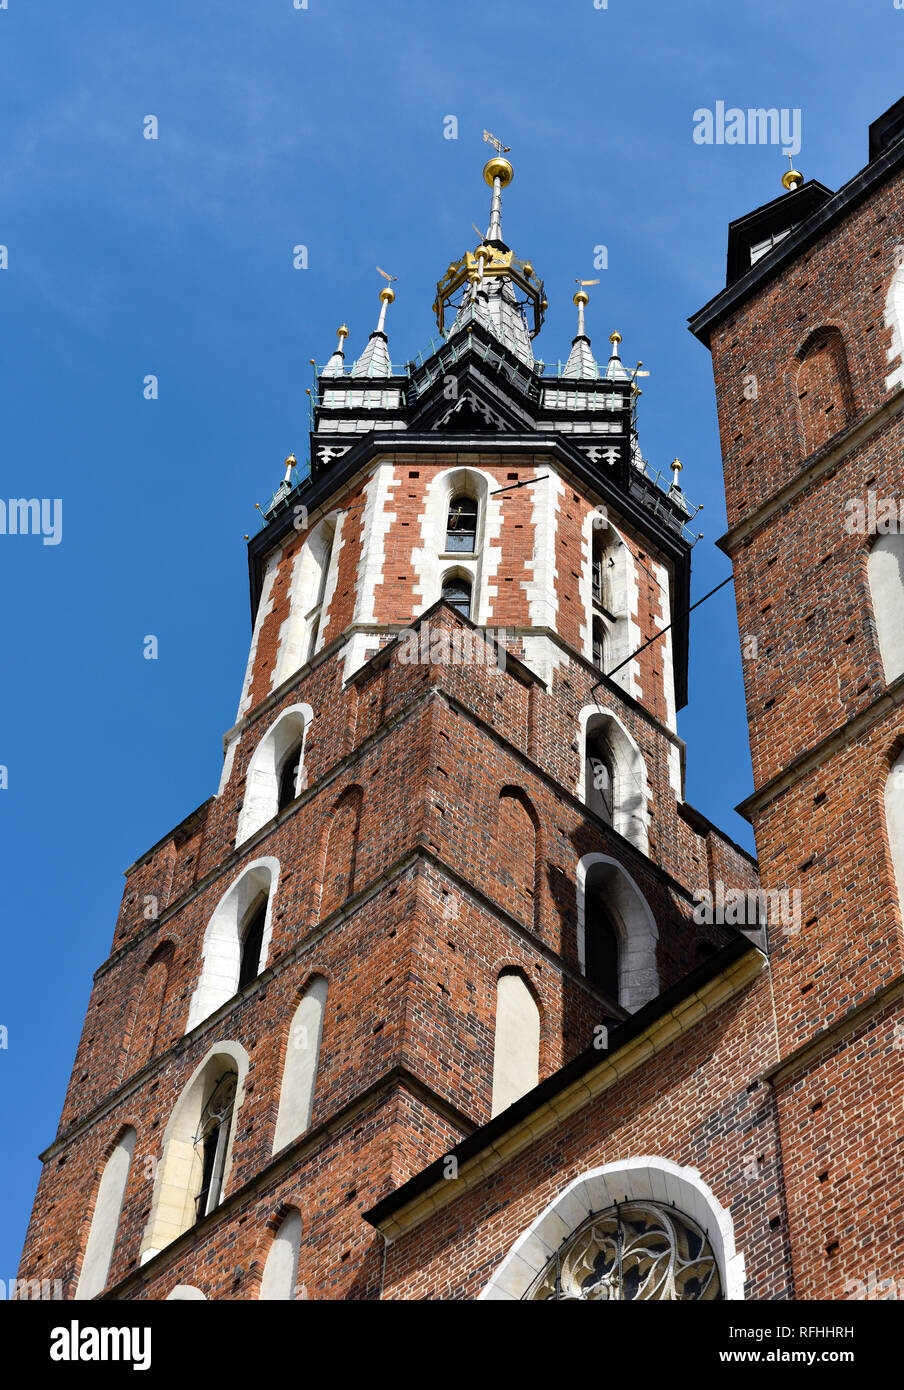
{"x":457,"y":593}
{"x":886,"y":583}
{"x":288,"y":775}
{"x":516,"y":1049}
{"x":461,"y":526}
{"x":602,"y":564}
{"x":296,"y":1096}
{"x":212,"y":1142}
{"x":105,"y":1221}
{"x":252,"y":940}
{"x":601,"y":778}
{"x":601,"y":947}
{"x":281,"y":1270}
{"x":314,"y":616}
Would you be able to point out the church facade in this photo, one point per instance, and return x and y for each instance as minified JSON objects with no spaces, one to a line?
{"x":448,"y":993}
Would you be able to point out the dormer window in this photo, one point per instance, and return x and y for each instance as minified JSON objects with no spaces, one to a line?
{"x":461,"y":526}
{"x":762,"y":248}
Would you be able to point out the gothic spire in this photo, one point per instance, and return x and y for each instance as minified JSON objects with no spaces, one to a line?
{"x":581,"y":364}
{"x":615,"y":370}
{"x":374,"y":360}
{"x":336,"y":364}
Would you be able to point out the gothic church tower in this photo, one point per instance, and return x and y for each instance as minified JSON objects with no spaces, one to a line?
{"x":449,"y":870}
{"x":807,"y":341}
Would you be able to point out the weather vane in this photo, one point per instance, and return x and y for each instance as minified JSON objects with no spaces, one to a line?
{"x":391,"y":279}
{"x":497,"y":144}
{"x":584,"y":283}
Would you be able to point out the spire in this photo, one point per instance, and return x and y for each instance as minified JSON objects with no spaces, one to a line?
{"x":615,"y":371}
{"x":336,"y":364}
{"x":581,"y":364}
{"x":490,"y":286}
{"x":374,"y":360}
{"x":497,"y":172}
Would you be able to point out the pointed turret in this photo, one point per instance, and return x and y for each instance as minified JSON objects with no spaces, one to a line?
{"x":581,"y":364}
{"x":374,"y":360}
{"x":614,"y":370}
{"x":336,"y":364}
{"x":490,"y":278}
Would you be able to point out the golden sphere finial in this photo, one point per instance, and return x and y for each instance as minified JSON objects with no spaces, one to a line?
{"x":615,"y":337}
{"x":582,"y":297}
{"x":291,"y":461}
{"x":791,"y":178}
{"x":498,"y":168}
{"x":387,"y":295}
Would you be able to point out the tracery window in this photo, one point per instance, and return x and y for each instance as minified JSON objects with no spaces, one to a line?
{"x":640,"y":1251}
{"x":212,"y":1141}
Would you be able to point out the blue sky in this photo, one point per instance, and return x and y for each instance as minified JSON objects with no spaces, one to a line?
{"x":128,"y":257}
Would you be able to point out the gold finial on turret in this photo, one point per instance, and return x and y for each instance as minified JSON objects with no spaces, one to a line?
{"x":791,"y":178}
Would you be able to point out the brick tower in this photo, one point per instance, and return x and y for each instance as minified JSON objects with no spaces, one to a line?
{"x":431,"y":955}
{"x":806,"y":342}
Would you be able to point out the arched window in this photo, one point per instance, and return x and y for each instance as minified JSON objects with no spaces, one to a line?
{"x":296,"y":1096}
{"x":461,"y":525}
{"x":150,"y":995}
{"x":339,"y":850}
{"x":289,"y":774}
{"x":602,"y":566}
{"x":280,"y":1275}
{"x":315,"y":615}
{"x":275,"y":773}
{"x":516,"y":837}
{"x":675,"y":1239}
{"x":193,"y":1173}
{"x":601,"y":945}
{"x":212,"y":1141}
{"x":823,"y":388}
{"x":252,"y":939}
{"x":457,"y":593}
{"x":186,"y":1293}
{"x":313,"y":578}
{"x":516,"y":1048}
{"x":613,"y":778}
{"x":600,"y":776}
{"x":886,"y":582}
{"x":646,"y":1251}
{"x":105,"y":1221}
{"x":237,"y":940}
{"x":617,"y":933}
{"x":894,"y":818}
